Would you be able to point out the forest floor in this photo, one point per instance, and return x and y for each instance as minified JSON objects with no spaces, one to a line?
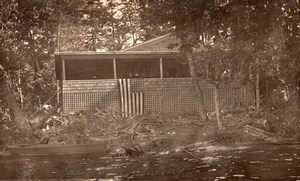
{"x":162,"y":133}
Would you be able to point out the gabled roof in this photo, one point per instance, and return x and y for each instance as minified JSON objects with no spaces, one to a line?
{"x":159,"y":44}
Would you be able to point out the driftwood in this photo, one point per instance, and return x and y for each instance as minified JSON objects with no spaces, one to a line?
{"x":193,"y":155}
{"x":48,"y":115}
{"x":5,"y":146}
{"x":267,"y":136}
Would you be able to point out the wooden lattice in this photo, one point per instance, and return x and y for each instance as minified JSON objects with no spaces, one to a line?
{"x":168,"y":95}
{"x":82,"y":95}
{"x":175,"y":96}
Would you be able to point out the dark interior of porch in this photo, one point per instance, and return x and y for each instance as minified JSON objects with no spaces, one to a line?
{"x":80,"y":69}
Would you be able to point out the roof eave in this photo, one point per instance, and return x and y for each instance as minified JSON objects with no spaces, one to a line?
{"x":116,"y":54}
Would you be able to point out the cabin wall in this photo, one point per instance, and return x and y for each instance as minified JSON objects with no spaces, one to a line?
{"x":168,"y":95}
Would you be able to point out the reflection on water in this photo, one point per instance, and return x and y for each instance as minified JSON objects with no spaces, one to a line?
{"x":259,"y":163}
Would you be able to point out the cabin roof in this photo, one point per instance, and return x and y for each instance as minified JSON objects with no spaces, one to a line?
{"x":159,"y":44}
{"x":155,"y":48}
{"x":115,"y":54}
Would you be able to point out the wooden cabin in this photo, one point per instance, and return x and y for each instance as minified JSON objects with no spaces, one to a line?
{"x":145,"y":78}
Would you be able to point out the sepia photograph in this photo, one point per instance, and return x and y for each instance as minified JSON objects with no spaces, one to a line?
{"x":115,"y":90}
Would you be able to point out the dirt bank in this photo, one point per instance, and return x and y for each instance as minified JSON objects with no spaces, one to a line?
{"x":146,"y":133}
{"x":159,"y":133}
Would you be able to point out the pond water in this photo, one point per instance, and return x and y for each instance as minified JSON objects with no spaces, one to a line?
{"x":218,"y":163}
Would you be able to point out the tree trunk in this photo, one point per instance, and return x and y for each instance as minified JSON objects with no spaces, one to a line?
{"x":21,"y":97}
{"x":217,"y":107}
{"x":267,"y":89}
{"x":298,"y":97}
{"x":33,"y":54}
{"x":297,"y":88}
{"x":19,"y":88}
{"x":37,"y":64}
{"x":112,"y":26}
{"x":257,"y":93}
{"x":19,"y":116}
{"x":94,"y":35}
{"x":59,"y":31}
{"x":199,"y":93}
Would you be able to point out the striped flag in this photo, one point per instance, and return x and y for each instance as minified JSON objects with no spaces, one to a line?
{"x":132,"y":103}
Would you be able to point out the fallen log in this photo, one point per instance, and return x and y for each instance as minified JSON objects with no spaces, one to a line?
{"x":267,"y":136}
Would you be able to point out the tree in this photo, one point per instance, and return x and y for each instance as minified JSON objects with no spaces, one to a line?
{"x":123,"y":28}
{"x":110,"y":28}
{"x":153,"y":21}
{"x":183,"y":15}
{"x":240,"y":39}
{"x":290,"y":63}
{"x":94,"y":15}
{"x":27,"y":43}
{"x":10,"y":110}
{"x":131,"y":23}
{"x":9,"y":107}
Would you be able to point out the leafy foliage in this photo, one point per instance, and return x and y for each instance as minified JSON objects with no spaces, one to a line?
{"x":236,"y":39}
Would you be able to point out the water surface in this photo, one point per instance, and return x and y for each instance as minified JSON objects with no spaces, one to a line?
{"x":217,"y":163}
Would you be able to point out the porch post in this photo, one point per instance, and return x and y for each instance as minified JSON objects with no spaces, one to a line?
{"x":115,"y":68}
{"x":63,"y":70}
{"x":161,"y":68}
{"x":63,"y":77}
{"x":57,"y":91}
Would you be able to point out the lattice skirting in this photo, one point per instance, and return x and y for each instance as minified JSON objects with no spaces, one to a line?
{"x":150,"y":95}
{"x":73,"y":102}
